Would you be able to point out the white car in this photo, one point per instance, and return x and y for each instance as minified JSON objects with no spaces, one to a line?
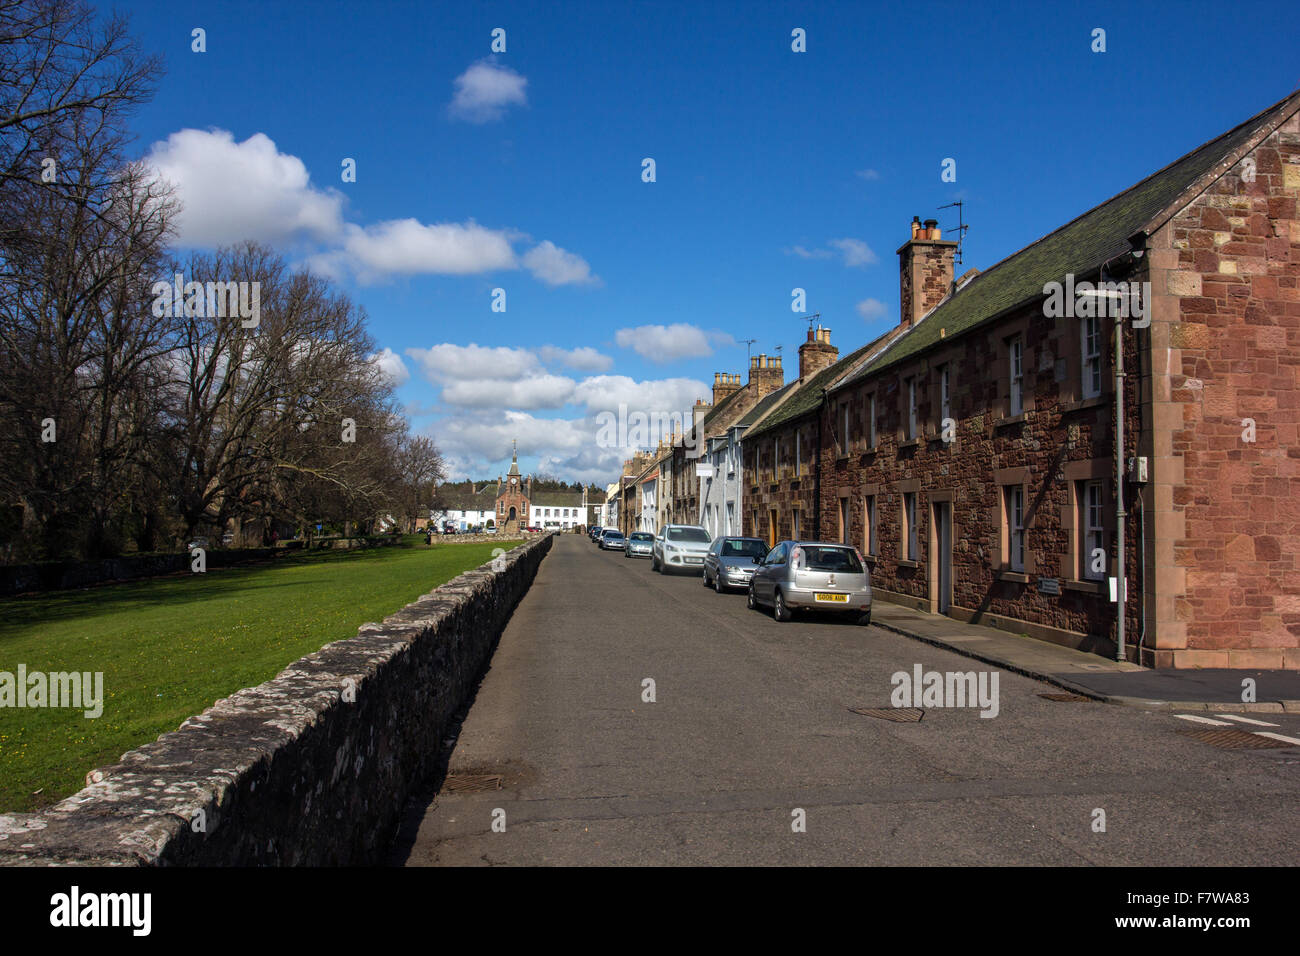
{"x":679,"y":546}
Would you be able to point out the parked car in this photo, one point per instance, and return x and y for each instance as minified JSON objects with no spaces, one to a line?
{"x":814,"y":575}
{"x":679,"y":546}
{"x":731,"y":561}
{"x":612,"y":540}
{"x":639,"y":545}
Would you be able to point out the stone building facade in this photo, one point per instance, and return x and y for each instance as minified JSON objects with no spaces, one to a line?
{"x":970,"y":452}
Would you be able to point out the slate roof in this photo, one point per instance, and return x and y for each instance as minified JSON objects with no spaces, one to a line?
{"x":764,"y":406}
{"x":1079,"y":247}
{"x":461,"y":496}
{"x":808,"y":397}
{"x":557,"y":499}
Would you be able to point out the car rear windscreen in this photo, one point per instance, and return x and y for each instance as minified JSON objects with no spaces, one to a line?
{"x":840,"y":560}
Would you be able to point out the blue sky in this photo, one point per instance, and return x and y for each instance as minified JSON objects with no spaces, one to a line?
{"x":774,"y":170}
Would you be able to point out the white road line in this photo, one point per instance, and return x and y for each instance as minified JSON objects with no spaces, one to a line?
{"x":1288,"y":740}
{"x":1247,"y":720}
{"x":1204,"y":720}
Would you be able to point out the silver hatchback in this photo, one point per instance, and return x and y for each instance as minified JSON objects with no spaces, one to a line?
{"x":731,"y":561}
{"x":815,"y":575}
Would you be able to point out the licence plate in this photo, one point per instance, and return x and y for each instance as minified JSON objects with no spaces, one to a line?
{"x":691,"y":559}
{"x":828,"y":598}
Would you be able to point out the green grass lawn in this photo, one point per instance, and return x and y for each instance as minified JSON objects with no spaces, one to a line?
{"x":170,"y":647}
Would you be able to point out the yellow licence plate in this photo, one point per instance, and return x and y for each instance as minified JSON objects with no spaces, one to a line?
{"x":832,"y":598}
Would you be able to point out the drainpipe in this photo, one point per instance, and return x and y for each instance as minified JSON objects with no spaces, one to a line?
{"x":817,"y":474}
{"x":1120,"y":584}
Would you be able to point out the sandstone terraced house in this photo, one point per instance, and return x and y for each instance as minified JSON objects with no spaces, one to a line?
{"x":970,"y":452}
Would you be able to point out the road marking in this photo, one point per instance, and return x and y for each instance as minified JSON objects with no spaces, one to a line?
{"x":1204,"y":720}
{"x":1247,"y":720}
{"x":1265,"y":733}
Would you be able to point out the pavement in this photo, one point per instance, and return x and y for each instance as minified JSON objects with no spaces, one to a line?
{"x":1109,"y":681}
{"x":769,"y":743}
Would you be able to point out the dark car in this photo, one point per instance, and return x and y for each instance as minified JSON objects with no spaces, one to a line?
{"x":818,"y":575}
{"x":731,"y":561}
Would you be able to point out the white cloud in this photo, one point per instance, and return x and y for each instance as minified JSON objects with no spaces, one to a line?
{"x":661,"y":396}
{"x":534,"y":391}
{"x":856,"y":252}
{"x":410,"y":247}
{"x":485,"y":90}
{"x":668,"y":343}
{"x":583,"y":359}
{"x":447,"y":363}
{"x":868,"y":174}
{"x":234,"y":191}
{"x":871,"y":309}
{"x":554,"y":266}
{"x":392,"y":366}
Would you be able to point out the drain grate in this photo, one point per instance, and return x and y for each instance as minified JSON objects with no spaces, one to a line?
{"x":1066,"y":698}
{"x":1234,"y":739}
{"x":471,"y":782}
{"x":899,"y":715}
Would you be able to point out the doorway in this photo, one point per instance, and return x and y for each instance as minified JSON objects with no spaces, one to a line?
{"x":943,"y":555}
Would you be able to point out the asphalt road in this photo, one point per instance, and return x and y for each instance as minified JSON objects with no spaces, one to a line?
{"x":751,"y":722}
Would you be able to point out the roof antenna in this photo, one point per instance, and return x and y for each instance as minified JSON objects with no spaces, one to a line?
{"x":961,"y":227}
{"x":811,"y":319}
{"x":749,"y":348}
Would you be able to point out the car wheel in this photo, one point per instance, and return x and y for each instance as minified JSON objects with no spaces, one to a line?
{"x":704,"y":578}
{"x":717,"y":583}
{"x":864,"y":618}
{"x":753,"y":601}
{"x":780,"y":610}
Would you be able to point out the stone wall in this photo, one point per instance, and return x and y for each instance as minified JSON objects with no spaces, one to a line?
{"x":311,"y":768}
{"x":1226,"y":454}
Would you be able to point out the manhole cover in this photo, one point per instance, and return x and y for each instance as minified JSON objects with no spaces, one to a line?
{"x":471,"y":782}
{"x":1065,"y":698}
{"x":899,"y":715}
{"x":1234,"y":739}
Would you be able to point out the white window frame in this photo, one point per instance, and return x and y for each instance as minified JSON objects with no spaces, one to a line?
{"x":909,"y":519}
{"x":873,"y":540}
{"x":1090,"y":361}
{"x":1015,"y":504}
{"x":871,"y":419}
{"x":911,"y":407}
{"x":1093,"y":518}
{"x":945,"y":403}
{"x":1016,"y":374}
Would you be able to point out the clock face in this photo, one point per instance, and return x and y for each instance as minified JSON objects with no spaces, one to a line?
{"x":513,"y":480}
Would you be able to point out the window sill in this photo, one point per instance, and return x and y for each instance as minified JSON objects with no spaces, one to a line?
{"x":1097,"y":401}
{"x":842,"y":460}
{"x":1016,"y":577}
{"x":909,"y":443}
{"x":1087,"y":587}
{"x":1010,"y":420}
{"x":909,"y":564}
{"x":871,"y":559}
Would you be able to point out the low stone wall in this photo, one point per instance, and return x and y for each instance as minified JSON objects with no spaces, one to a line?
{"x":312,"y":768}
{"x":57,"y":575}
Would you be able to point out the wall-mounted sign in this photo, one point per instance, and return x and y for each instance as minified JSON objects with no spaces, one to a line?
{"x":703,"y":470}
{"x":1049,"y":585}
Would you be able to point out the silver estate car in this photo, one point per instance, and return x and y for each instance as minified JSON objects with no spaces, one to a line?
{"x":812,"y":574}
{"x":639,"y":545}
{"x":731,"y":561}
{"x":611,"y":540}
{"x":679,"y":546}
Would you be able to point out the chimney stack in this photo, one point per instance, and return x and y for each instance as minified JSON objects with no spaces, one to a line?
{"x":817,"y":353}
{"x":724,"y":385}
{"x":765,"y":374}
{"x":924,"y":270}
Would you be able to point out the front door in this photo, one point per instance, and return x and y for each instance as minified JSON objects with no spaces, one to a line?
{"x":943,"y":554}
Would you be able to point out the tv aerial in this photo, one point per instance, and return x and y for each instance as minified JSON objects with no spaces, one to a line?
{"x":961,"y":227}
